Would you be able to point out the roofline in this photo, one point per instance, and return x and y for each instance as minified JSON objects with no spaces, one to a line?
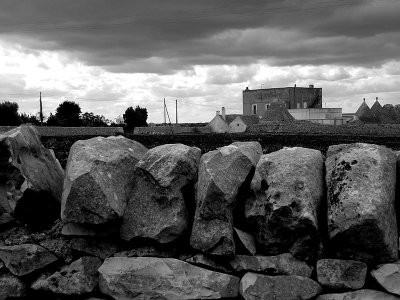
{"x":279,"y":88}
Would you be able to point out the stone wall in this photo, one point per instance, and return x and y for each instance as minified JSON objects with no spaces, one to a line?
{"x":171,"y":223}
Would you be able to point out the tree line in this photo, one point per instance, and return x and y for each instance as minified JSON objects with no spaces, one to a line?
{"x":69,"y":114}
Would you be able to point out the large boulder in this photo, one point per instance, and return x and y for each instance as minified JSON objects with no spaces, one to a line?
{"x":286,"y":196}
{"x":388,"y":276}
{"x":31,"y":172}
{"x":337,"y":274}
{"x":361,"y":183}
{"x":222,"y":173}
{"x":78,"y":278}
{"x":99,"y":179}
{"x":26,"y":258}
{"x":11,"y":287}
{"x":163,"y":278}
{"x":159,"y":206}
{"x":283,"y":264}
{"x":256,"y":286}
{"x":359,"y":295}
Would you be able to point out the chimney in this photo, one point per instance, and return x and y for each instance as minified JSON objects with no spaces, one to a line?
{"x":364,"y":99}
{"x":311,"y":86}
{"x":376,"y":98}
{"x":223,"y":112}
{"x":217,"y":113}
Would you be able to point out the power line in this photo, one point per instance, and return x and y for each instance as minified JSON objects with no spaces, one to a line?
{"x":278,"y":10}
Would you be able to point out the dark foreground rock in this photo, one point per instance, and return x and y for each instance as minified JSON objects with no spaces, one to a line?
{"x":361,"y":182}
{"x":221,"y":174}
{"x":341,"y":274}
{"x":99,"y":179}
{"x":359,"y":295}
{"x":78,"y":278}
{"x":286,"y":196}
{"x":11,"y":287}
{"x":26,"y":258}
{"x":158,"y":208}
{"x":283,"y":264}
{"x":163,"y":278}
{"x":256,"y":286}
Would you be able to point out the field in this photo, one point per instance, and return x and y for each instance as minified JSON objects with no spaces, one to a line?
{"x":207,"y":142}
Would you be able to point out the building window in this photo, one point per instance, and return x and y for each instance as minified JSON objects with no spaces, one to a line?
{"x":305,"y":104}
{"x":254,"y":109}
{"x":266,"y":106}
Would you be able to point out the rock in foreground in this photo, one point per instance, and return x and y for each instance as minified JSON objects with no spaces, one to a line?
{"x":255,"y":286}
{"x":388,"y":276}
{"x":359,"y":295}
{"x":285,"y":199}
{"x":99,"y":177}
{"x":11,"y":287}
{"x":163,"y":278}
{"x":361,"y":182}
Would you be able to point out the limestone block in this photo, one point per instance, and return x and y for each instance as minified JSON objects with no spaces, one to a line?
{"x":286,"y":195}
{"x":221,"y":174}
{"x":361,"y":183}
{"x":256,"y":286}
{"x":157,"y":208}
{"x":388,"y":276}
{"x":246,"y":240}
{"x":341,"y":274}
{"x":359,"y":295}
{"x":99,"y":179}
{"x":163,"y":278}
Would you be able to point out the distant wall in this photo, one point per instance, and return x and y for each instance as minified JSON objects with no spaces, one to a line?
{"x":72,"y":131}
{"x":170,"y":130}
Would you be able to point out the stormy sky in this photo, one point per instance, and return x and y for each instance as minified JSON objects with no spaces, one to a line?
{"x":109,"y":55}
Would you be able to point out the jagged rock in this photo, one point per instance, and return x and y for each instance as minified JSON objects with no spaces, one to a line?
{"x":359,"y":295}
{"x":11,"y":287}
{"x":1,"y":265}
{"x":78,"y":278}
{"x":283,"y":264}
{"x":59,"y":247}
{"x":246,"y":241}
{"x":99,"y":179}
{"x":25,"y":165}
{"x":163,"y":278}
{"x":157,"y":208}
{"x":150,"y":251}
{"x":5,"y":219}
{"x":286,"y":195}
{"x":208,"y":263}
{"x":341,"y":274}
{"x":16,"y":236}
{"x":256,"y":286}
{"x":26,"y":258}
{"x":361,"y":181}
{"x":76,"y":229}
{"x":388,"y":276}
{"x":99,"y":248}
{"x":222,"y":173}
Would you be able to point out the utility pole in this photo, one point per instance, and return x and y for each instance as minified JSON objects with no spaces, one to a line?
{"x":41,"y":109}
{"x":176,"y":110}
{"x":165,"y":117}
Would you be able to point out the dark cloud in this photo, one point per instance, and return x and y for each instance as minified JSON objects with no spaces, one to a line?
{"x":166,"y":36}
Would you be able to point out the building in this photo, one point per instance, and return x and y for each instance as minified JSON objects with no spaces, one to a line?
{"x":240,"y":123}
{"x":325,"y":116}
{"x":256,"y":102}
{"x":277,"y":111}
{"x":233,"y":123}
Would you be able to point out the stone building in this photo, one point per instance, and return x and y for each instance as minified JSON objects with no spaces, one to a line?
{"x":256,"y":102}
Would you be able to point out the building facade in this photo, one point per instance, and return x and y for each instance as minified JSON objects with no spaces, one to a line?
{"x":256,"y":102}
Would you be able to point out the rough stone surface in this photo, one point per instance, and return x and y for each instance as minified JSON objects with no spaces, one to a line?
{"x":11,"y":287}
{"x":26,"y":258}
{"x":256,"y":286}
{"x":79,"y":278}
{"x":163,"y":278}
{"x":150,"y":251}
{"x":359,"y":295}
{"x":25,"y":165}
{"x":158,"y":207}
{"x":221,"y":175}
{"x":99,"y":179}
{"x":246,"y":240}
{"x":60,"y":247}
{"x":208,"y":263}
{"x":361,"y":183}
{"x":388,"y":276}
{"x":283,"y":264}
{"x":76,"y":229}
{"x":286,"y":195}
{"x":341,"y":274}
{"x":95,"y":247}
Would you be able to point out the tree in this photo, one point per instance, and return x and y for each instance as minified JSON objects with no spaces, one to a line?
{"x":135,"y":117}
{"x":92,"y":120}
{"x":68,"y":114}
{"x":9,"y":114}
{"x":25,"y":118}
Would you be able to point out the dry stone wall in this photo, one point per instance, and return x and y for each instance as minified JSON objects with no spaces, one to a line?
{"x":168,"y":223}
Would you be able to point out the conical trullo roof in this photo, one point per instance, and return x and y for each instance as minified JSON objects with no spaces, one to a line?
{"x":376,"y":111}
{"x":277,"y":112}
{"x":364,"y":113}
